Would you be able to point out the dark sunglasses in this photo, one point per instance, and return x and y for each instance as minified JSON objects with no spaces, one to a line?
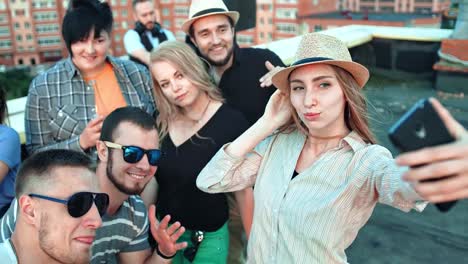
{"x":133,"y":154}
{"x":79,"y":203}
{"x":191,"y":252}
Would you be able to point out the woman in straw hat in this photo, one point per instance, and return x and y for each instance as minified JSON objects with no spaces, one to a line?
{"x":317,"y":171}
{"x":193,"y":123}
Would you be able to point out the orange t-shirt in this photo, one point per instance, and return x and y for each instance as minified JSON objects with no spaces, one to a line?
{"x":107,"y":93}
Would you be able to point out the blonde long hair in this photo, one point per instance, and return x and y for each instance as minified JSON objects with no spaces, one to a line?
{"x":182,"y":57}
{"x":355,"y":114}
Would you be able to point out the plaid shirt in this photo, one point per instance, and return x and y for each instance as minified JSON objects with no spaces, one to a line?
{"x":60,"y":103}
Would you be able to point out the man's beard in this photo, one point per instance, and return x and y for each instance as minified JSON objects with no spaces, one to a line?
{"x":51,"y":248}
{"x":222,"y":62}
{"x":120,"y":186}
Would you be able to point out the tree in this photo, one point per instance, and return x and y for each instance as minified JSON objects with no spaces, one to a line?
{"x":16,"y":82}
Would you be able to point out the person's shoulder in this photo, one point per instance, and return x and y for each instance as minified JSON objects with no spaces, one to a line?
{"x":232,"y":119}
{"x":233,"y":114}
{"x":128,"y":65}
{"x":169,"y":34}
{"x":131,"y":33}
{"x":50,"y":75}
{"x":260,"y":55}
{"x":8,"y":132}
{"x":261,"y":52}
{"x":7,"y":253}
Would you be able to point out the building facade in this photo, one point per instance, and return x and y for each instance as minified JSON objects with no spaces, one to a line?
{"x":30,"y":30}
{"x":395,"y":6}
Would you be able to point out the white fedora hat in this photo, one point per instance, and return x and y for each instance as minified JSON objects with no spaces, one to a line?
{"x":317,"y":48}
{"x":203,"y":8}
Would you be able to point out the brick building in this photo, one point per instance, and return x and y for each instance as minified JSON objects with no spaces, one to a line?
{"x":30,"y":31}
{"x":396,"y":6}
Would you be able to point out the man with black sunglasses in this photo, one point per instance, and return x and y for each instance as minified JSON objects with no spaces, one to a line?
{"x":59,"y":210}
{"x":128,"y":157}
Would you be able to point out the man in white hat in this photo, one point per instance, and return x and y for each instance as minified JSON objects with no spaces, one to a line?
{"x":242,"y":74}
{"x":211,"y":28}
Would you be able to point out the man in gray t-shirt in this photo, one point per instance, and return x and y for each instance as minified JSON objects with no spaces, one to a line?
{"x":128,"y":154}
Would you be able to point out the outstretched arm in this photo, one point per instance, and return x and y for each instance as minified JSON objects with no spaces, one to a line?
{"x":440,"y":161}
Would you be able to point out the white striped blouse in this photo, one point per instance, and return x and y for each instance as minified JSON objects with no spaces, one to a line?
{"x":314,"y":217}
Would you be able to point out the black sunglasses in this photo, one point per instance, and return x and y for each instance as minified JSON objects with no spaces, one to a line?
{"x":133,"y":154}
{"x":79,"y":203}
{"x":191,"y":252}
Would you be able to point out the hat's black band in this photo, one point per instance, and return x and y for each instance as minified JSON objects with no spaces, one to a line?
{"x":307,"y":60}
{"x":210,"y":10}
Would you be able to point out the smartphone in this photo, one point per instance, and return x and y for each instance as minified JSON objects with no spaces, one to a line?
{"x":421,"y":126}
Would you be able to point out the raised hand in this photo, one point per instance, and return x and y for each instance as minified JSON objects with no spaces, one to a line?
{"x":91,"y":133}
{"x":441,"y":161}
{"x":278,"y":109}
{"x":265,"y":81}
{"x":165,"y":236}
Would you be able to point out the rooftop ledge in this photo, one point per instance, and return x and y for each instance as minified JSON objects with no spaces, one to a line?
{"x":353,"y":35}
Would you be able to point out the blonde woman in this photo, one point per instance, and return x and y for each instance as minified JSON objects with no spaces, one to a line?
{"x":317,"y":169}
{"x":194,"y":123}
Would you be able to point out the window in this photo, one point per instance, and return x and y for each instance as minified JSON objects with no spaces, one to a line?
{"x":47,"y":28}
{"x":48,"y":41}
{"x":123,"y":2}
{"x":286,"y":1}
{"x":5,"y":44}
{"x":43,"y":4}
{"x":19,"y":38}
{"x":286,"y":13}
{"x":117,"y":37}
{"x":245,"y":39}
{"x":181,"y":11}
{"x":27,"y":25}
{"x":19,"y":12}
{"x":4,"y":31}
{"x":124,"y":25}
{"x":28,"y":36}
{"x":17,"y":25}
{"x":286,"y":28}
{"x":45,"y":16}
{"x":179,"y":22}
{"x":166,"y":23}
{"x":2,"y":5}
{"x":165,"y":11}
{"x":124,"y":13}
{"x":3,"y":18}
{"x":33,"y":61}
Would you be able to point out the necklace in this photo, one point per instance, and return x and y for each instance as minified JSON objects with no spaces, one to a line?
{"x":202,"y":114}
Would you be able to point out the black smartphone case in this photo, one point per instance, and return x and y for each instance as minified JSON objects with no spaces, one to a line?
{"x":421,"y":127}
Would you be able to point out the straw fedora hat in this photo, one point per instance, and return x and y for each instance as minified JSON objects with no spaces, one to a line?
{"x":203,"y":8}
{"x":317,"y":48}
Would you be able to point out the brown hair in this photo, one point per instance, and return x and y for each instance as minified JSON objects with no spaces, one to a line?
{"x":181,"y":56}
{"x":355,"y":114}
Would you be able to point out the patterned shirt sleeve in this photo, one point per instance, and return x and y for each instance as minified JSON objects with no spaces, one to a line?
{"x":8,"y":222}
{"x":39,"y":133}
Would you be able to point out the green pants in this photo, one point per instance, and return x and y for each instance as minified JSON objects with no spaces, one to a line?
{"x":212,"y":250}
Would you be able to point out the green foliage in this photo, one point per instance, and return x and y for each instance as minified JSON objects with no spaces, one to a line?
{"x":16,"y":82}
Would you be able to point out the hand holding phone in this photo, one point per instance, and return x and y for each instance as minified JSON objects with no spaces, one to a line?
{"x":420,"y":127}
